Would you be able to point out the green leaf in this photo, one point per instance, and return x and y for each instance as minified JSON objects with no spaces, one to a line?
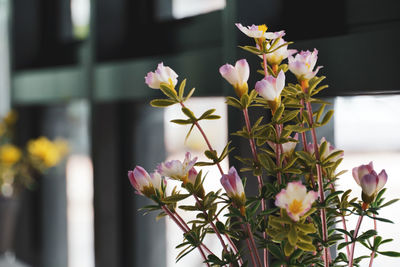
{"x":182,"y":89}
{"x":189,"y":113}
{"x":308,"y":228}
{"x":168,"y":91}
{"x":288,"y":249}
{"x":305,"y":156}
{"x":189,"y":208}
{"x":161,"y":103}
{"x":305,"y":246}
{"x":297,"y":128}
{"x":389,"y":253}
{"x":327,"y":117}
{"x":182,"y":122}
{"x":292,"y":236}
{"x":207,"y":113}
{"x":278,"y":114}
{"x":190,"y":94}
{"x":252,"y":49}
{"x":233,"y":102}
{"x":175,"y":198}
{"x":211,"y":154}
{"x":244,"y":100}
{"x":389,"y":203}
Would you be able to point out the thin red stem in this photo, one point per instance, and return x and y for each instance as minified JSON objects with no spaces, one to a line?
{"x":171,"y":215}
{"x":206,"y":140}
{"x":373,"y":252}
{"x":212,"y":224}
{"x":259,"y":178}
{"x":253,"y":243}
{"x":304,"y":141}
{"x":320,"y":183}
{"x":278,"y":155}
{"x":351,"y":260}
{"x":346,"y":239}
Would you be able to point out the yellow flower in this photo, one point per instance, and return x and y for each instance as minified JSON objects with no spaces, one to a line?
{"x":50,"y":153}
{"x":9,"y":154}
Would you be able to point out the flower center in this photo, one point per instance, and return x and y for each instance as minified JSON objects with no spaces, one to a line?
{"x":263,"y":28}
{"x":296,"y":207}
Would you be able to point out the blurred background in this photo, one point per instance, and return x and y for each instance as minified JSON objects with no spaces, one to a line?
{"x":75,"y":69}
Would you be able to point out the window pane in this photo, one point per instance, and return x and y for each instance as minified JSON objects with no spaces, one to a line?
{"x":367,"y":129}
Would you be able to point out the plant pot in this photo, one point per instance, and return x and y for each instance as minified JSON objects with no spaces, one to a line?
{"x":8,"y":218}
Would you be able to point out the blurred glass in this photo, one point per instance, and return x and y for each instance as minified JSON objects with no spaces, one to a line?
{"x":367,"y":128}
{"x":217,"y":132}
{"x":189,"y":8}
{"x":80,"y":11}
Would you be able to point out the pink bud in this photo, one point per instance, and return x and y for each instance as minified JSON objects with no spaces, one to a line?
{"x":270,"y":87}
{"x":234,"y":187}
{"x":370,"y":182}
{"x":237,"y":75}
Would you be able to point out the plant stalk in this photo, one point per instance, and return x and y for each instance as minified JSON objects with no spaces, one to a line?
{"x":253,"y":244}
{"x":351,"y":260}
{"x":259,"y":178}
{"x":373,"y":252}
{"x":320,"y":184}
{"x":171,"y":215}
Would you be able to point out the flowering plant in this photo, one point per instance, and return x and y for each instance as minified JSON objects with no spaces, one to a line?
{"x":17,"y":165}
{"x":308,"y":214}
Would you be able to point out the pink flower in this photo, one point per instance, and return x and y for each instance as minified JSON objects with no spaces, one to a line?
{"x":176,"y":169}
{"x":329,"y":150}
{"x":162,"y":74}
{"x":303,"y":63}
{"x":144,"y":183}
{"x":192,"y":175}
{"x":259,"y":31}
{"x":370,"y":182}
{"x":237,"y":75}
{"x":287,"y":147}
{"x":234,"y":187}
{"x":276,"y":57}
{"x":296,"y":200}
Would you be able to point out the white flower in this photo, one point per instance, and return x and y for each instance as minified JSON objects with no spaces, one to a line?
{"x":270,"y":87}
{"x":259,"y":31}
{"x":176,"y":169}
{"x":276,"y":57}
{"x":303,"y":63}
{"x":237,"y":75}
{"x":296,"y":200}
{"x":162,"y":74}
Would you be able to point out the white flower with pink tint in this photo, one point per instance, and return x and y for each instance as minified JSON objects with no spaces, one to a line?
{"x":144,"y":183}
{"x":270,"y":88}
{"x":162,"y":74}
{"x":370,"y":182}
{"x":295,"y":200}
{"x":276,"y":57}
{"x":176,"y":169}
{"x":237,"y":75}
{"x":234,"y":187}
{"x":302,"y":65}
{"x":259,"y":31}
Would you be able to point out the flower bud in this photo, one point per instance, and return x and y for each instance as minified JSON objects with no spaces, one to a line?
{"x":144,"y":183}
{"x":370,"y":182}
{"x":295,"y":200}
{"x":234,"y":187}
{"x":329,"y":150}
{"x":237,"y":76}
{"x":162,"y":74}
